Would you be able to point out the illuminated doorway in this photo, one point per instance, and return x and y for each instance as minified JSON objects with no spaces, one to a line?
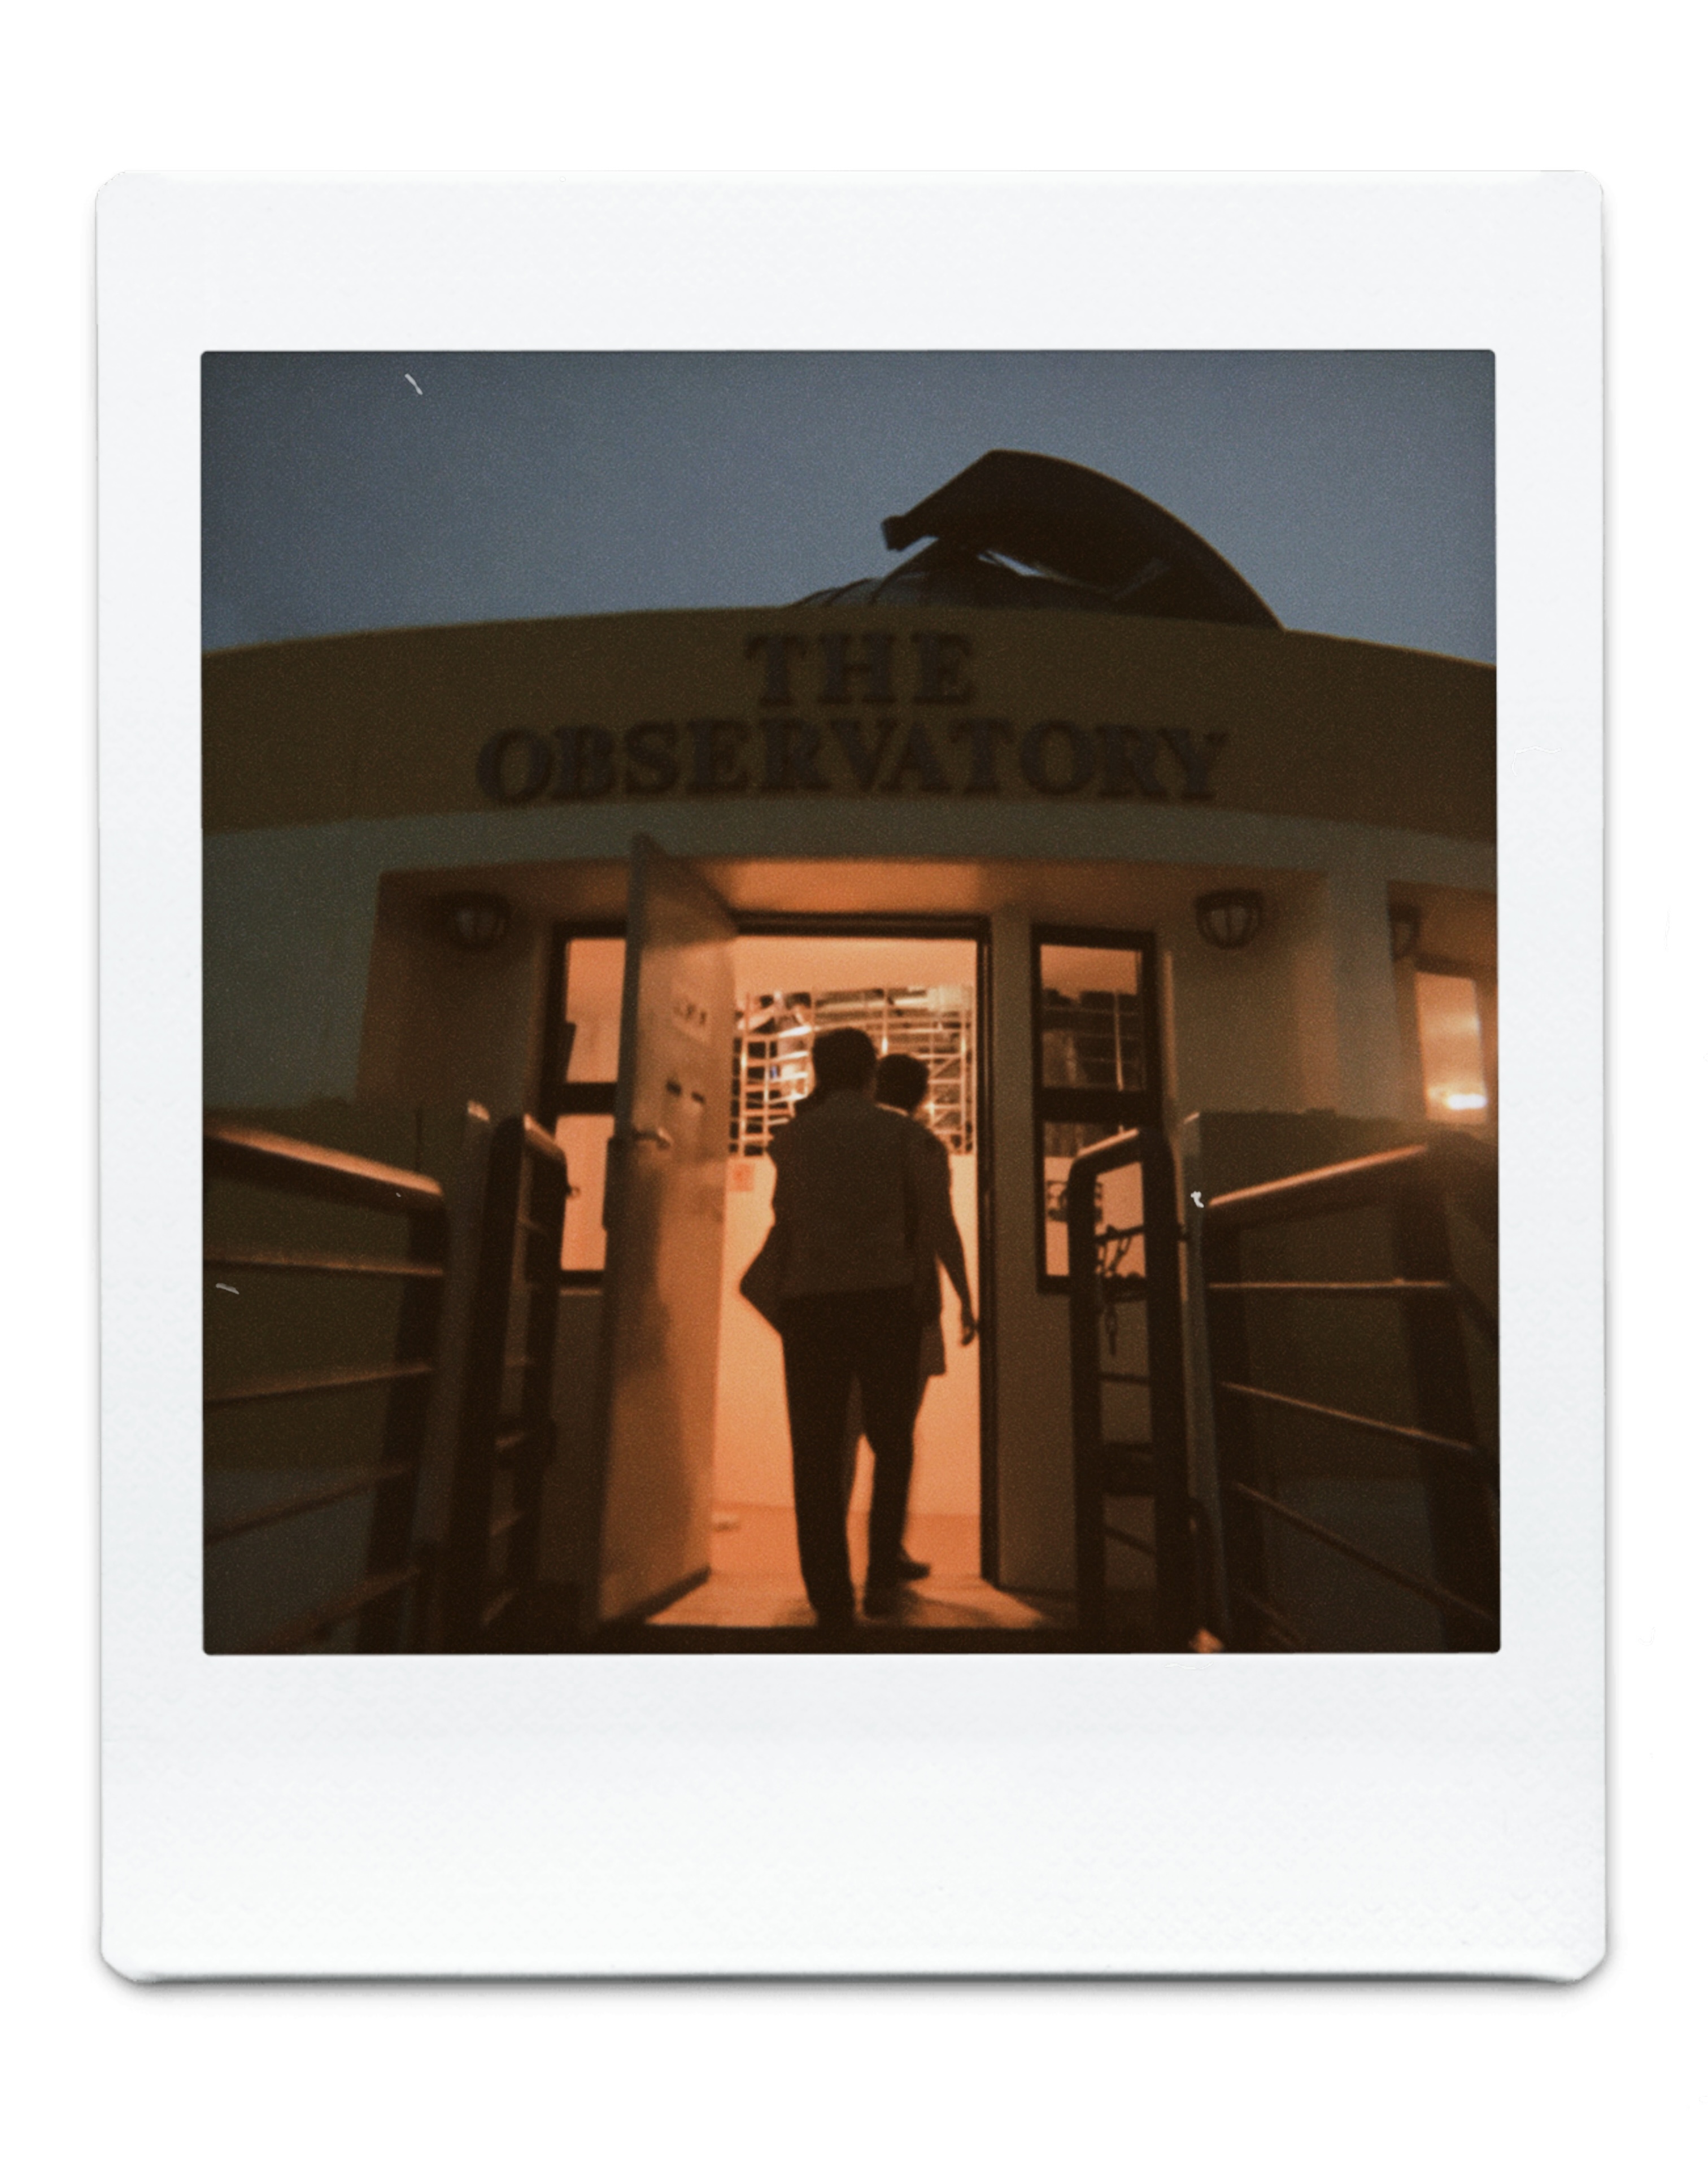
{"x":917,"y":988}
{"x":912,"y":993}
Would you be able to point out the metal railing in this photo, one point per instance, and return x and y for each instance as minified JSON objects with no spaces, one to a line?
{"x":380,"y":1600}
{"x":451,"y":1550}
{"x":1153,"y":1467}
{"x":489,"y":1550}
{"x":1454,"y":1457}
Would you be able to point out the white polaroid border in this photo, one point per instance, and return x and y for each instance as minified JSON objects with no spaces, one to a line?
{"x":889,"y":1815}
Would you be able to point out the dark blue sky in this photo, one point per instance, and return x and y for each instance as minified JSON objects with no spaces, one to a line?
{"x":1354,"y":490}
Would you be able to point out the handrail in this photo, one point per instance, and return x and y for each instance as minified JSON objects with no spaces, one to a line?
{"x":259,"y":1160}
{"x":1165,"y":1376}
{"x":1407,"y":1434}
{"x":348,"y":1486}
{"x":235,"y":1151}
{"x":1432,"y":1592}
{"x":1457,"y":1163}
{"x":1458,"y":1472}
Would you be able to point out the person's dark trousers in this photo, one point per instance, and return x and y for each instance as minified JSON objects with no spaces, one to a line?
{"x":828,"y":1341}
{"x":854,"y":1429}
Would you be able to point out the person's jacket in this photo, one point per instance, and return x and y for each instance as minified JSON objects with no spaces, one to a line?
{"x":858,"y":1198}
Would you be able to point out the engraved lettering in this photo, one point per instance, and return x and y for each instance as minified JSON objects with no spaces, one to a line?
{"x":919,"y":759}
{"x":983,"y":732}
{"x":652,"y":749}
{"x":716,"y":744}
{"x":838,"y":670}
{"x":1043,"y":774}
{"x":850,"y":736}
{"x":791,"y":756}
{"x":498,"y":772}
{"x":1130,"y":762}
{"x":584,"y":768}
{"x":776,"y":647}
{"x":940,"y":658}
{"x":1195,"y":758}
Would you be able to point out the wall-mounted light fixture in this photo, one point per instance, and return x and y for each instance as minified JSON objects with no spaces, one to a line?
{"x":1405,"y":924}
{"x":1231,"y":917}
{"x":474,"y":919}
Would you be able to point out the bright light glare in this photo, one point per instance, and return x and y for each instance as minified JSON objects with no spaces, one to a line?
{"x":1449,"y":1041}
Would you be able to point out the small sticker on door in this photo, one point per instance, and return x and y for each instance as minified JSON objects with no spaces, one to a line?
{"x":689,"y":1015}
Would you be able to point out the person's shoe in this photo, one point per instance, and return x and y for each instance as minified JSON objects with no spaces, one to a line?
{"x":913,"y":1570}
{"x":835,"y":1623}
{"x":883,"y":1600}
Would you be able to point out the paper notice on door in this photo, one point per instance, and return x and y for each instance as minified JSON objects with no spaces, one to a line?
{"x":689,"y":1014}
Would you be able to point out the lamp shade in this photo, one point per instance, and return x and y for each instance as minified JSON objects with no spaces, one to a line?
{"x":1231,"y":917}
{"x":474,"y":919}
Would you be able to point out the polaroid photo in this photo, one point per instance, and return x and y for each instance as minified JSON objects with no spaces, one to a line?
{"x":851,"y":1054}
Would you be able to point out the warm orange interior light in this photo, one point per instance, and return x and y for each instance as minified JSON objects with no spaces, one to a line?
{"x":1449,"y":1037}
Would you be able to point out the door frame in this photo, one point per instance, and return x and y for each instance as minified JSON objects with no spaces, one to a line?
{"x":898,"y":926}
{"x":940,"y":926}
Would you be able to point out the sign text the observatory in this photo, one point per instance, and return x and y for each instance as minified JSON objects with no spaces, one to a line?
{"x":848,"y":714}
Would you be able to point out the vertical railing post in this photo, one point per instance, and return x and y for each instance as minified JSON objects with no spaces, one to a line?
{"x":467,"y":1539}
{"x":1177,"y":1575}
{"x":1462,"y":1534}
{"x":543,"y":1193}
{"x":1244,"y":1554}
{"x":1084,"y":1310}
{"x":521,"y":1223}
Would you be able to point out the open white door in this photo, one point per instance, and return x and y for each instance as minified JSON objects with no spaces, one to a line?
{"x":664,"y":1212}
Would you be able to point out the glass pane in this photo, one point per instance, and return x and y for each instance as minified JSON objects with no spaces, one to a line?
{"x":1120,"y":1197}
{"x":583,"y":1139}
{"x":1089,"y":1020}
{"x":593,"y":1002}
{"x":1449,"y":1037}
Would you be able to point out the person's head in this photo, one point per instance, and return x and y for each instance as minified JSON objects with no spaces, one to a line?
{"x":902,"y":1080}
{"x":842,"y":1061}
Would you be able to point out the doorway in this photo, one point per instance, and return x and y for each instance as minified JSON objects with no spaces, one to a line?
{"x":918,"y":987}
{"x":915,"y":992}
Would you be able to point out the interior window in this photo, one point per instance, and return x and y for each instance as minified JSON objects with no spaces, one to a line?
{"x":1449,"y":1041}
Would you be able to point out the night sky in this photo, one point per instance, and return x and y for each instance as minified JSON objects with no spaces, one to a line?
{"x":1354,"y":490}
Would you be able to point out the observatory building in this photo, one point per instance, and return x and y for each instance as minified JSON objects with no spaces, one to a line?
{"x":1054,"y":802}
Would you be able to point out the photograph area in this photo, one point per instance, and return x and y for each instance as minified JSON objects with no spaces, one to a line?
{"x":850,"y":1003}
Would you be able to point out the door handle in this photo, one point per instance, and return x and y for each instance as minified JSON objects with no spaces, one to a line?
{"x":615,"y":1145}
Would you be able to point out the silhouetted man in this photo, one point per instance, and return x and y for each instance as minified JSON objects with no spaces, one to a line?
{"x":854,"y":1195}
{"x":901,"y":1084}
